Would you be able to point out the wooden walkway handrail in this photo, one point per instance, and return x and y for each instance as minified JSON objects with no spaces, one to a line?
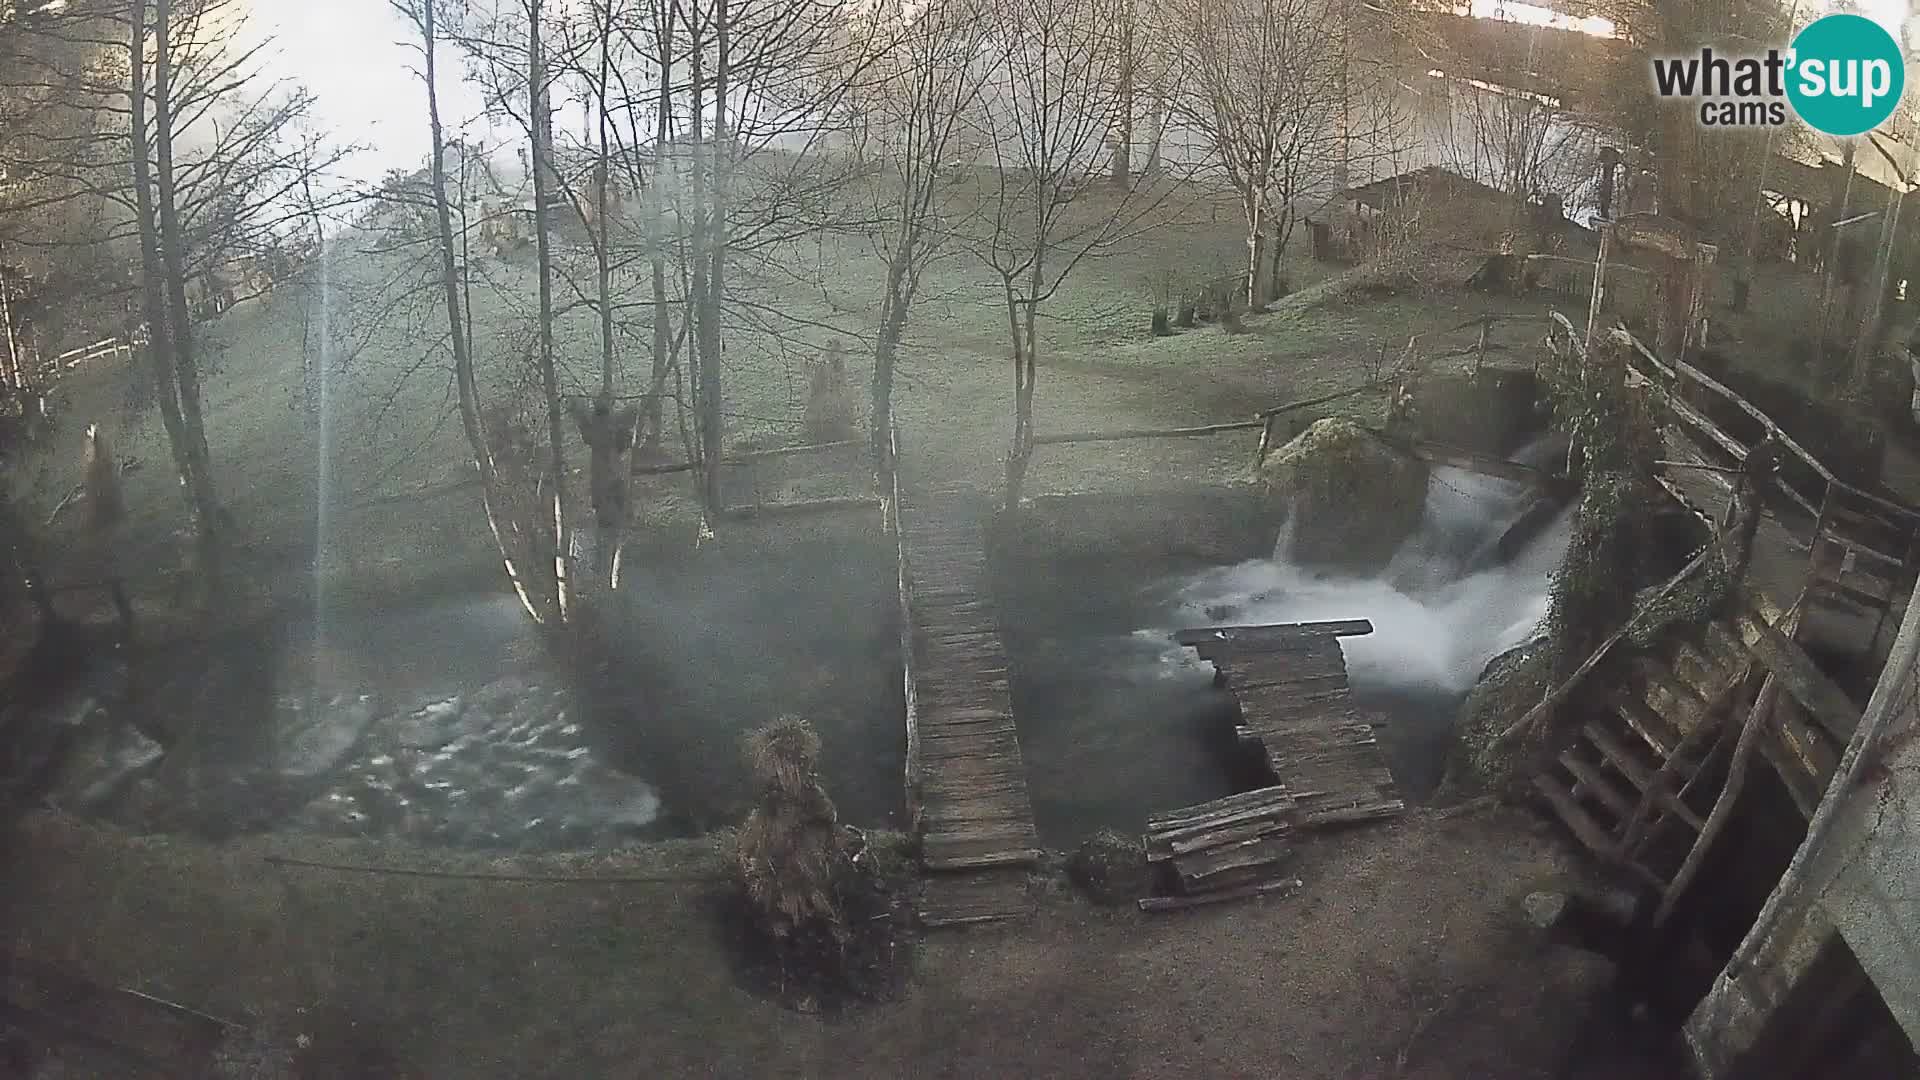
{"x":1542,"y":256}
{"x":1906,"y":516}
{"x":1679,"y":368}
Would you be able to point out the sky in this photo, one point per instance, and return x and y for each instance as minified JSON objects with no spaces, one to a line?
{"x":349,"y":54}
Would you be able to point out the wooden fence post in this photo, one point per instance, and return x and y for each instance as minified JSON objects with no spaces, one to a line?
{"x":1599,"y":294}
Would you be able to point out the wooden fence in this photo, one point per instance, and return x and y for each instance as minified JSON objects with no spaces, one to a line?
{"x":789,"y":479}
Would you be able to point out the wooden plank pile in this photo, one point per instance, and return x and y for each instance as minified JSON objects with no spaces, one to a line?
{"x":1226,"y":849}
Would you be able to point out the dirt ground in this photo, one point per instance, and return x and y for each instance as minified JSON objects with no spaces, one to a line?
{"x":1403,"y":954}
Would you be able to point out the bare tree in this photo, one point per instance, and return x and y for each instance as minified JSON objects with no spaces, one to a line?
{"x":1050,"y":104}
{"x":926,"y":80}
{"x":1515,"y":140}
{"x":519,"y":543}
{"x":1264,"y":83}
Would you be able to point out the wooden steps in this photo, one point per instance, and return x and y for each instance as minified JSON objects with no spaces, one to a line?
{"x":1620,"y":785}
{"x":968,"y":784}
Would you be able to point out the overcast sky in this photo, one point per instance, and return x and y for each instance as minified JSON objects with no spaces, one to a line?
{"x":348,"y":53}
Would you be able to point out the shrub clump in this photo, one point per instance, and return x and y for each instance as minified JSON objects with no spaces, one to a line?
{"x":831,"y":407}
{"x":1513,"y":682}
{"x":1110,"y":867}
{"x":817,"y":901}
{"x":791,"y":847}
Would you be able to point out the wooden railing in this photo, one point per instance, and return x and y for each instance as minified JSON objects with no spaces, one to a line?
{"x":1859,"y":525}
{"x":909,"y":692}
{"x":856,"y":466}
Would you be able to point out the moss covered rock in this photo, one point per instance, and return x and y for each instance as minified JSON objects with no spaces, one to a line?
{"x":1348,"y":498}
{"x":1512,"y":683}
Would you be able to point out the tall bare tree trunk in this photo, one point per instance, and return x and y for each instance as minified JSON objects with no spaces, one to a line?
{"x":152,"y":273}
{"x":186,"y":370}
{"x":542,"y":116}
{"x":886,"y":351}
{"x":653,"y":423}
{"x":603,"y":208}
{"x":459,"y":335}
{"x":1840,"y":213}
{"x":11,"y":374}
{"x":1873,"y":321}
{"x":1257,"y":287}
{"x":708,"y":435}
{"x":1024,"y":326}
{"x":711,"y":301}
{"x":1123,"y":131}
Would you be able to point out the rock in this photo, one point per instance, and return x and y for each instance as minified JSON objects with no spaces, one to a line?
{"x":108,"y":756}
{"x":1544,"y":908}
{"x":1348,"y":498}
{"x":1512,"y":683}
{"x":316,"y":739}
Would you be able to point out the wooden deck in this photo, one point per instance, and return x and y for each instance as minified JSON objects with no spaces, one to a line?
{"x":967,"y":783}
{"x":1295,"y":705}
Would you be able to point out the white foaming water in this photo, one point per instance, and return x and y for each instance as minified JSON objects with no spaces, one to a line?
{"x":1436,"y":624}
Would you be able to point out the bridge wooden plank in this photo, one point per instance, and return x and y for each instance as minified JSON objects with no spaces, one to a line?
{"x":975,"y":815}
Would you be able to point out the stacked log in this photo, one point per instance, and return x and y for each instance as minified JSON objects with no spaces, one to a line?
{"x":1221,"y":850}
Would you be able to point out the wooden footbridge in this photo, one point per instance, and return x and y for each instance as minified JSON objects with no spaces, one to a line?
{"x":1297,"y":714}
{"x":966,"y":781}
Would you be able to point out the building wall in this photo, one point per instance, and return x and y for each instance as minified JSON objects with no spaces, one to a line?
{"x":1857,"y":875}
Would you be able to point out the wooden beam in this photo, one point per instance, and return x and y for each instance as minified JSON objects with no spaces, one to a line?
{"x":1472,"y":461}
{"x":1146,"y":433}
{"x":1559,"y":693}
{"x":1307,"y":403}
{"x":1802,"y":678}
{"x":1153,"y":904}
{"x":1276,"y":633}
{"x":1750,"y":734}
{"x":789,"y":451}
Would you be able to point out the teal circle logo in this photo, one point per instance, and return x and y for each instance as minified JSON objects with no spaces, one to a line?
{"x":1845,"y":74}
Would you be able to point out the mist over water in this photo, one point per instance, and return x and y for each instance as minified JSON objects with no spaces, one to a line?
{"x":1439,"y":611}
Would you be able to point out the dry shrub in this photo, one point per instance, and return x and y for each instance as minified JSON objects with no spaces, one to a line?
{"x":830,"y":415}
{"x":1111,"y":868}
{"x":791,"y":848}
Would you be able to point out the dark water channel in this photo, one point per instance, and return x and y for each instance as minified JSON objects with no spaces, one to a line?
{"x":1116,"y":722}
{"x":446,"y":723}
{"x":1113,"y":724}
